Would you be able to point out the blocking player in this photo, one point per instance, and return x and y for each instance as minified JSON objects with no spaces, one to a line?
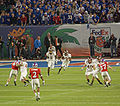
{"x":96,"y":70}
{"x":23,"y":70}
{"x":14,"y":71}
{"x":50,"y":59}
{"x":66,"y":58}
{"x":90,"y":69}
{"x":34,"y":73}
{"x":104,"y":73}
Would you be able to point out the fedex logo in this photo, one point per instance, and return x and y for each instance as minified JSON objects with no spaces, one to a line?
{"x":99,"y":32}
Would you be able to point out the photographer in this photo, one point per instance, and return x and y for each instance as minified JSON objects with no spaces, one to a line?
{"x":23,"y":52}
{"x":18,"y":44}
{"x":113,"y":44}
{"x":1,"y":47}
{"x":11,"y":47}
{"x":37,"y":45}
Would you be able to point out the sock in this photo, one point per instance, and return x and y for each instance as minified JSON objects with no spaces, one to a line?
{"x":35,"y":94}
{"x":39,"y":93}
{"x":92,"y":82}
{"x":7,"y":83}
{"x":59,"y":70}
{"x":15,"y":82}
{"x":99,"y":81}
{"x":88,"y":80}
{"x":107,"y":82}
{"x":28,"y":81}
{"x":24,"y":82}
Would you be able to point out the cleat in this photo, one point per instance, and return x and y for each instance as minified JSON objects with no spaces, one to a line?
{"x":91,"y":84}
{"x":87,"y":83}
{"x":6,"y":84}
{"x":106,"y":85}
{"x":109,"y":84}
{"x":43,"y":83}
{"x":38,"y":97}
{"x":101,"y":83}
{"x":15,"y":83}
{"x":25,"y":85}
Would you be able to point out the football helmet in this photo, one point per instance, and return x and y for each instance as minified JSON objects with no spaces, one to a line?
{"x":35,"y":65}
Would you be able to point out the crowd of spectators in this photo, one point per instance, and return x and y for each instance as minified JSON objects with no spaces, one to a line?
{"x":49,"y":12}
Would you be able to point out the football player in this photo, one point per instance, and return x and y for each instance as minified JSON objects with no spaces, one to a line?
{"x":23,"y":70}
{"x":104,"y":72}
{"x":14,"y":71}
{"x":66,"y":58}
{"x":90,"y":69}
{"x":50,"y":59}
{"x":34,"y":74}
{"x":96,"y":70}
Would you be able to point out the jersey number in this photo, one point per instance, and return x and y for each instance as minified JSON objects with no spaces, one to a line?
{"x":34,"y":76}
{"x":103,"y":67}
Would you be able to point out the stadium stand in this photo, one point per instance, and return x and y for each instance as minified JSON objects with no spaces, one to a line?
{"x":48,"y":12}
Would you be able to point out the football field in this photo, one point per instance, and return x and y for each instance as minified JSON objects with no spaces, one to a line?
{"x":69,"y":88}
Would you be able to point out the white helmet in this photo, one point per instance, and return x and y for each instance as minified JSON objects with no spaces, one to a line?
{"x":35,"y":65}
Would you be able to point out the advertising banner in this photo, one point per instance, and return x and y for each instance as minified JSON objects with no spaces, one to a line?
{"x":74,"y":37}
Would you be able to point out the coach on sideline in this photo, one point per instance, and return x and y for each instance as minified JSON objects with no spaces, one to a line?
{"x":91,"y":44}
{"x":58,"y":45}
{"x":48,"y":40}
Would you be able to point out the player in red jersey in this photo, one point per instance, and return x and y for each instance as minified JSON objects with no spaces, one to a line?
{"x":104,"y":72}
{"x":14,"y":71}
{"x":34,"y":74}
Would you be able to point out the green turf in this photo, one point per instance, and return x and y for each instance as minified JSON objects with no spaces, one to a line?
{"x":67,"y":89}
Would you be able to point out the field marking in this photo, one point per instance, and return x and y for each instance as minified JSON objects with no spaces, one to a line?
{"x":64,"y":103}
{"x":106,"y":90}
{"x":64,"y":96}
{"x":15,"y":96}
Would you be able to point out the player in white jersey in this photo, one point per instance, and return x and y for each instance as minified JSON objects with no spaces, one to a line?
{"x":54,"y":50}
{"x":50,"y":59}
{"x":66,"y":58}
{"x":96,"y":70}
{"x":90,"y":69}
{"x":23,"y":70}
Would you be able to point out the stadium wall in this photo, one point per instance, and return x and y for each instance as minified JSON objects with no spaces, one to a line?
{"x":75,"y":37}
{"x":73,"y":63}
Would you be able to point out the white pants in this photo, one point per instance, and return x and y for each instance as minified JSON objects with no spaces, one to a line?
{"x":90,"y":72}
{"x":51,"y":64}
{"x":95,"y":72}
{"x":105,"y":74}
{"x":65,"y":63}
{"x":34,"y":83}
{"x":13,"y":72}
{"x":23,"y":75}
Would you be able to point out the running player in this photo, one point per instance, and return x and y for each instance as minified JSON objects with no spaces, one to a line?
{"x":66,"y":58}
{"x":14,"y":71}
{"x":90,"y":69}
{"x":104,"y":72}
{"x":34,"y":73}
{"x":96,"y":70}
{"x":50,"y":59}
{"x":54,"y":50}
{"x":23,"y":70}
